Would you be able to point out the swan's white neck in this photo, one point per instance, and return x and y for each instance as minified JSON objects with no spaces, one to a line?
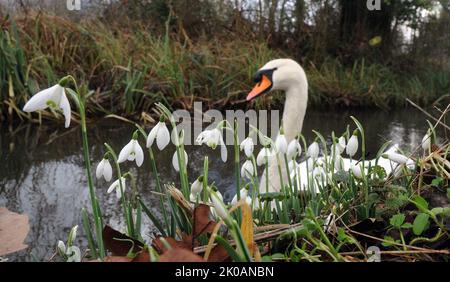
{"x":295,"y":109}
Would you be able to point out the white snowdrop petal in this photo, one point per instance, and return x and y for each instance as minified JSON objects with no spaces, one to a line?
{"x":223,"y":151}
{"x":281,"y":144}
{"x":125,"y":152}
{"x":139,"y":153}
{"x":99,"y":170}
{"x":352,"y":146}
{"x":65,"y":107}
{"x":152,"y":135}
{"x":40,"y":99}
{"x":107,"y":171}
{"x":163,"y":137}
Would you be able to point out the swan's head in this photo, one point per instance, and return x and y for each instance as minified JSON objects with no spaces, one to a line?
{"x":279,"y":74}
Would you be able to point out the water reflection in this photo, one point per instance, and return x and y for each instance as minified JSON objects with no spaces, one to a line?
{"x":42,"y":172}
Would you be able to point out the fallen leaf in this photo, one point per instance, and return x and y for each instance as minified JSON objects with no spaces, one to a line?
{"x":14,"y":229}
{"x":180,"y":255}
{"x":202,"y":221}
{"x":122,"y":246}
{"x":161,"y":248}
{"x":143,"y":256}
{"x":218,"y":254}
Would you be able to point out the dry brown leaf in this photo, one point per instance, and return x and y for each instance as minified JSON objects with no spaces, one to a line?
{"x":180,"y":255}
{"x":218,"y":254}
{"x":161,"y":248}
{"x":119,"y":247}
{"x":14,"y":229}
{"x":202,"y":220}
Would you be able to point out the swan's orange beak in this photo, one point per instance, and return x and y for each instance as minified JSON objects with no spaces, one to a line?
{"x":260,"y":88}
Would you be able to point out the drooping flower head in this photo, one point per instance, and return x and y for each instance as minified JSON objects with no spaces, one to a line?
{"x":161,"y":134}
{"x":115,"y":186}
{"x":104,"y":169}
{"x":352,"y":144}
{"x":212,"y":138}
{"x":247,"y":146}
{"x":132,"y":152}
{"x":53,"y":97}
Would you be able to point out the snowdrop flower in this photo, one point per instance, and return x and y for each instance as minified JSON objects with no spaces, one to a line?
{"x":104,"y":169}
{"x":61,"y":247}
{"x":243,"y":195}
{"x":248,"y":146}
{"x":338,"y":163}
{"x":161,"y":134}
{"x":132,"y":151}
{"x":197,"y":186}
{"x":294,"y":149}
{"x":175,"y":160}
{"x":341,"y":144}
{"x":72,"y":235}
{"x":73,"y":254}
{"x":426,"y":141}
{"x":219,"y":206}
{"x":248,"y":170}
{"x":263,"y":156}
{"x":313,"y":150}
{"x":54,"y":97}
{"x":212,"y":138}
{"x":281,"y":144}
{"x":116,"y":186}
{"x":395,"y":157}
{"x":356,"y":170}
{"x":352,"y":145}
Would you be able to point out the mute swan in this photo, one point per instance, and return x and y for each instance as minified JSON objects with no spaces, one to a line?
{"x":288,"y":76}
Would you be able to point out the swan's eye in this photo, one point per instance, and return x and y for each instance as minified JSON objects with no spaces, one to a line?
{"x":259,"y":75}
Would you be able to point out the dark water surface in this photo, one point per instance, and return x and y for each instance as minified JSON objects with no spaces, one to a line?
{"x":42,"y":172}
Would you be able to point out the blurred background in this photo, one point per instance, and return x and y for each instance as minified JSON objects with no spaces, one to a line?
{"x":135,"y":52}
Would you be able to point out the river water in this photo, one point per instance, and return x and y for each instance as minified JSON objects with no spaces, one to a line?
{"x":42,"y":172}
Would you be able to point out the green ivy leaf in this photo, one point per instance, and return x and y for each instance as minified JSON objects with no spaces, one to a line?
{"x":420,"y":223}
{"x":397,"y":220}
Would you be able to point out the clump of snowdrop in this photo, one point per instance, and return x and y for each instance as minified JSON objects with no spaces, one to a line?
{"x":54,"y":98}
{"x":119,"y":186}
{"x":70,"y":253}
{"x":352,"y":144}
{"x":161,"y":134}
{"x":132,"y":152}
{"x":247,"y":146}
{"x":281,"y":143}
{"x":213,"y":138}
{"x":264,"y":156}
{"x":313,"y":150}
{"x":104,"y":170}
{"x":356,"y":170}
{"x":294,"y":149}
{"x":175,"y":162}
{"x":243,"y":194}
{"x":248,"y":170}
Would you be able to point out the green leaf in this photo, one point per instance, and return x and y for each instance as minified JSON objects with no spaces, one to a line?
{"x":266,"y":259}
{"x":421,"y":203}
{"x":420,"y":223}
{"x":407,"y":225}
{"x":437,"y":181}
{"x":397,"y":220}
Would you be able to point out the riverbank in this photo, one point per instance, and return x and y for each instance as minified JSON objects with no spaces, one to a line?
{"x":127,"y":68}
